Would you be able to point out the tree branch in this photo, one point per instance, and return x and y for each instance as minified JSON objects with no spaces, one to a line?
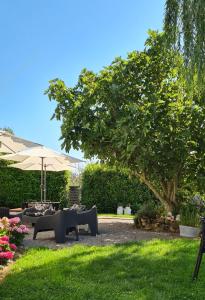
{"x":151,"y":187}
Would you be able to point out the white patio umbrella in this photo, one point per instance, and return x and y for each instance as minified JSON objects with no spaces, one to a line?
{"x":40,"y":158}
{"x":48,"y":165}
{"x":9,"y":143}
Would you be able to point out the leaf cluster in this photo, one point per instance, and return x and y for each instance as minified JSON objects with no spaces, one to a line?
{"x":135,"y":112}
{"x":184,"y":26}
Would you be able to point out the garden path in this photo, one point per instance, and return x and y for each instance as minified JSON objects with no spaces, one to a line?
{"x":112,"y":231}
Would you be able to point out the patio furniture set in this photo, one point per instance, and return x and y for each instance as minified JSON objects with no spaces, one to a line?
{"x":32,"y":156}
{"x":44,"y":218}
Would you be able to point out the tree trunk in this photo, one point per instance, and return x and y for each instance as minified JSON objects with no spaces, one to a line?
{"x":169,"y":194}
{"x":166,"y":195}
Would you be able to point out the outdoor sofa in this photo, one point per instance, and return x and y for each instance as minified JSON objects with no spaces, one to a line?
{"x":89,"y":217}
{"x":66,"y":220}
{"x":61,"y":222}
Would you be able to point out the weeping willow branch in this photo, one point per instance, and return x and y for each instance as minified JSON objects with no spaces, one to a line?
{"x":184,"y":26}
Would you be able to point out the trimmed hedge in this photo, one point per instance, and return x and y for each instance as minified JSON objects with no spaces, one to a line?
{"x":17,"y":186}
{"x":108,"y":186}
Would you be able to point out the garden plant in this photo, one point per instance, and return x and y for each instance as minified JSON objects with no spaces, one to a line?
{"x":12,"y":233}
{"x":137,"y":113}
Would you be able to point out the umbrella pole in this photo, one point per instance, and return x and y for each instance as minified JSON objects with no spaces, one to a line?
{"x":45,"y":182}
{"x":42,"y":187}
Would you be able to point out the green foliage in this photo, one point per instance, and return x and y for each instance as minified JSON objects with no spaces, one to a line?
{"x":184,"y":27}
{"x":107,"y":187}
{"x":189,"y":215}
{"x":148,"y":210}
{"x":136,"y":113}
{"x":17,"y":186}
{"x":64,"y":199}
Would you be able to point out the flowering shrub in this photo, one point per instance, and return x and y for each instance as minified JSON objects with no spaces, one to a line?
{"x":17,"y":231}
{"x":12,"y":233}
{"x":7,"y":250}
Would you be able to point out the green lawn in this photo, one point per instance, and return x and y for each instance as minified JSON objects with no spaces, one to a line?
{"x":150,"y":270}
{"x":116,"y":216}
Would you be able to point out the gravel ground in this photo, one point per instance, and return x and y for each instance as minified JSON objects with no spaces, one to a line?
{"x":112,"y":231}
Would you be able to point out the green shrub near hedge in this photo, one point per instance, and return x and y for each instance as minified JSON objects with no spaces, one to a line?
{"x":17,"y":186}
{"x":108,"y":186}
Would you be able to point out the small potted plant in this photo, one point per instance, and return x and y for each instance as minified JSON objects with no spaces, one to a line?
{"x":189,"y":221}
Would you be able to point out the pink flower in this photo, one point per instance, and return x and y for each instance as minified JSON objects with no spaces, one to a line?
{"x":9,"y":255}
{"x":13,"y":247}
{"x":4,"y":238}
{"x":26,"y":230}
{"x":6,"y":255}
{"x":2,"y":255}
{"x":3,"y":242}
{"x":19,"y":230}
{"x":14,"y":221}
{"x":22,"y":226}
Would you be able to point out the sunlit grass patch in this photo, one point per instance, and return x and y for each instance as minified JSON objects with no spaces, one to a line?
{"x":156,"y":269}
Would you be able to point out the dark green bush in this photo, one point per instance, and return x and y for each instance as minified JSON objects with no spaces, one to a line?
{"x":17,"y":186}
{"x":148,"y":210}
{"x":108,"y":186}
{"x":64,"y":199}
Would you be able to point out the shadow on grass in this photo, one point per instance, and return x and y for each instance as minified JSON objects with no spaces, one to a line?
{"x":143,"y":270}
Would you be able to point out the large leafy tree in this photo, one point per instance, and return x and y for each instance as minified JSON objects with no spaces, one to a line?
{"x":136,"y":113}
{"x":185,"y":29}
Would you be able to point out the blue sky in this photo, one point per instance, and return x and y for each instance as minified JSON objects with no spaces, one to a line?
{"x":46,"y":39}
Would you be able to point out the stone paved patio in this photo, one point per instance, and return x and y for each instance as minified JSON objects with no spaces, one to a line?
{"x":112,"y":231}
